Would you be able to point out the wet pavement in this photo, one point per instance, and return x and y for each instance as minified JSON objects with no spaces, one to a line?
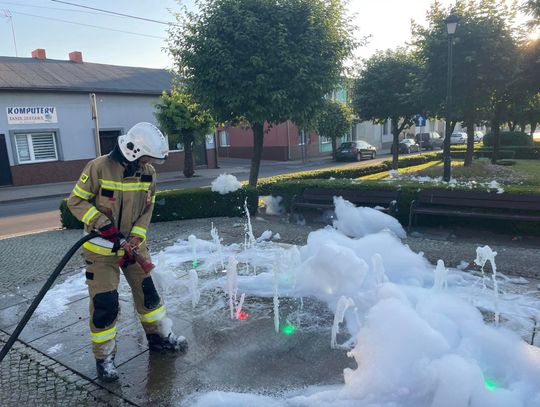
{"x":53,"y":364}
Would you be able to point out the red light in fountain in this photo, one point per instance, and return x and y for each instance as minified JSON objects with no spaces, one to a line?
{"x":243,"y":316}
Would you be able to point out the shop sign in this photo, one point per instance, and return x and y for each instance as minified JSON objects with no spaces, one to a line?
{"x":31,"y":115}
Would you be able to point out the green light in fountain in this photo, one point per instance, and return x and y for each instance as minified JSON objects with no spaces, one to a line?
{"x":288,"y":329}
{"x":195,"y":263}
{"x":490,"y":384}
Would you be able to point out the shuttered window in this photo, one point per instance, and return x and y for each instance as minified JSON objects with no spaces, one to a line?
{"x":36,"y":147}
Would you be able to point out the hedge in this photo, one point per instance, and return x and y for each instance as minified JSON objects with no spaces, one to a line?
{"x":509,"y":138}
{"x":265,"y":184}
{"x":187,"y":204}
{"x":506,"y":152}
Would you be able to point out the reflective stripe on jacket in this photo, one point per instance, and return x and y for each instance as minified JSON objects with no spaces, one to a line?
{"x":102,"y":195}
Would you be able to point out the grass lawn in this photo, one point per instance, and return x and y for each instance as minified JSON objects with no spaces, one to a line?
{"x":523,"y":176}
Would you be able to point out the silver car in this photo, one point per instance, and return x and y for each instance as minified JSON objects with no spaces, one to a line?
{"x":458,"y":138}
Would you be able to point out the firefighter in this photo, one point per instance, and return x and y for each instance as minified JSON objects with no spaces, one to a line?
{"x":115,"y":196}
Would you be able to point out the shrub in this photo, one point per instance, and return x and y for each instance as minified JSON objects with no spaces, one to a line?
{"x":187,"y":204}
{"x":509,"y":138}
{"x":265,"y":184}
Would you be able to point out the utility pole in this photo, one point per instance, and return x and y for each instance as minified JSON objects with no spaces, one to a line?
{"x":9,"y":17}
{"x":451,"y":25}
{"x":95,"y":118}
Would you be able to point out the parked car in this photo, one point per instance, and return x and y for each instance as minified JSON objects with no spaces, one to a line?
{"x":478,"y":136}
{"x":430,"y":140}
{"x":458,"y":137}
{"x":407,"y":146}
{"x":356,"y":150}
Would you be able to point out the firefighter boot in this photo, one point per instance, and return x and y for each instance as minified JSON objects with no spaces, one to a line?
{"x":171,"y":343}
{"x":106,"y":369}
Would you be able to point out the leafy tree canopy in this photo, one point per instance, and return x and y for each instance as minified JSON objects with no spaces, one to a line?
{"x":263,"y":60}
{"x":388,"y":88}
{"x":483,"y":56}
{"x":334,"y":121}
{"x":183,"y":120}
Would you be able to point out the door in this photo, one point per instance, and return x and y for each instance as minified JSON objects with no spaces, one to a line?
{"x":199,"y":151}
{"x":107,"y":140}
{"x":5,"y":169}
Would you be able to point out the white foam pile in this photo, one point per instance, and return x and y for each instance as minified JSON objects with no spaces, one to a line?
{"x":226,"y":183}
{"x":453,"y":183}
{"x":416,"y":331}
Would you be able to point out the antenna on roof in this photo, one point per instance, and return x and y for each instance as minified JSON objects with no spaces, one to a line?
{"x":9,"y":17}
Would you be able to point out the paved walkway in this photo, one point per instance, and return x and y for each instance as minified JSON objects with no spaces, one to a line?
{"x":53,"y":364}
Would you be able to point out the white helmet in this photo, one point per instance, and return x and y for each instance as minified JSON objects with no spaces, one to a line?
{"x":144,"y":140}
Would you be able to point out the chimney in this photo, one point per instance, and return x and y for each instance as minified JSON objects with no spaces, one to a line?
{"x":75,"y":56}
{"x":39,"y":53}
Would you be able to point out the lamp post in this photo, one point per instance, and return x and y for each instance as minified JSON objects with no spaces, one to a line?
{"x":451,"y":25}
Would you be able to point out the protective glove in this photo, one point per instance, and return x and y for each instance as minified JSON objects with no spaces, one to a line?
{"x":110,"y":233}
{"x":133,"y":243}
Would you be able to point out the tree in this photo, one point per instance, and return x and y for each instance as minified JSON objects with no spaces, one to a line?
{"x":334,"y":121}
{"x":388,"y":89}
{"x":532,"y":7}
{"x":483,"y":54}
{"x":183,"y":120}
{"x":262,"y":62}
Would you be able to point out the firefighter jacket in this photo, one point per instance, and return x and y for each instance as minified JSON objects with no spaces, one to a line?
{"x":104,"y":195}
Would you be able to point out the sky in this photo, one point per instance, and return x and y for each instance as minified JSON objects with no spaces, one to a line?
{"x":36,"y":25}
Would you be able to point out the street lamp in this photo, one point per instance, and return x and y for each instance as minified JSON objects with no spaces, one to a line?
{"x":451,"y":25}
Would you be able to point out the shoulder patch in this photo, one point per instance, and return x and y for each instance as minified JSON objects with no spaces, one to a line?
{"x":84,"y":178}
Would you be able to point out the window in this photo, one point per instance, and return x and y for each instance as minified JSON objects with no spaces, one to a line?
{"x":224,"y":138}
{"x":325,"y":140}
{"x":36,"y":147}
{"x":361,"y":144}
{"x":386,"y":127}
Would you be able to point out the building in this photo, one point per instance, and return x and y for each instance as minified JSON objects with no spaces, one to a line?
{"x":282,"y":142}
{"x":46,"y":129}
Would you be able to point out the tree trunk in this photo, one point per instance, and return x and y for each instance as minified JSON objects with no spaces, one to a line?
{"x":533,"y":128}
{"x":334,"y":147}
{"x":188,"y":155}
{"x":395,"y":144}
{"x":470,"y":142}
{"x":258,"y":140}
{"x":512,"y":125}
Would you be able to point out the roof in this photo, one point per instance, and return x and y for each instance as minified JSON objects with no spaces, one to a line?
{"x":31,"y":74}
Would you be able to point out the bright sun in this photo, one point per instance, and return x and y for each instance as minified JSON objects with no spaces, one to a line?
{"x":534,"y":35}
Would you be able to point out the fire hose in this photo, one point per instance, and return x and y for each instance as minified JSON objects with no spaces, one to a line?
{"x":145,"y":265}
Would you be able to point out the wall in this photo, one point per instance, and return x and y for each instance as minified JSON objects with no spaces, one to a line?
{"x":281,"y":143}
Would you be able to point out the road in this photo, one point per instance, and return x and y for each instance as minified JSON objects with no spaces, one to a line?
{"x":37,"y":215}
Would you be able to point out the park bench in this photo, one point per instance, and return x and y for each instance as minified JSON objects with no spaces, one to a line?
{"x":323,"y":198}
{"x":472,"y":204}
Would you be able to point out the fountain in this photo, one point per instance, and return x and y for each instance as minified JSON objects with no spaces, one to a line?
{"x":483,"y":255}
{"x":343,"y":304}
{"x":440,"y":281}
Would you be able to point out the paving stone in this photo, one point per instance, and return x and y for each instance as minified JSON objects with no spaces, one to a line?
{"x":28,"y":378}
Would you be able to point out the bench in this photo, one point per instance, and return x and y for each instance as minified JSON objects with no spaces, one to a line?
{"x":323,"y":198}
{"x":471,"y":204}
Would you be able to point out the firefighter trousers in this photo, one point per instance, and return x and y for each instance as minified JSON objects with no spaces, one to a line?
{"x":102,"y":278}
